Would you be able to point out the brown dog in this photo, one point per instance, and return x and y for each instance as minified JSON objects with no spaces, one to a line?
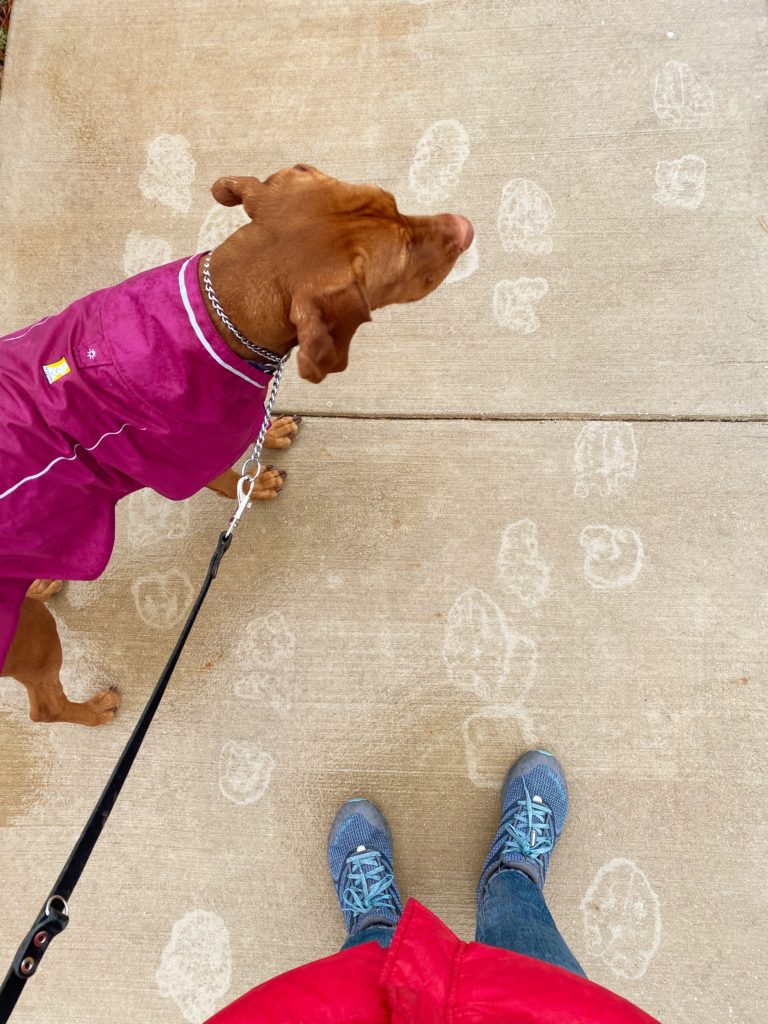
{"x":318,"y":256}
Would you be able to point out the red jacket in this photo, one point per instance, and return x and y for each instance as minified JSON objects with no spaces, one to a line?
{"x":428,"y":976}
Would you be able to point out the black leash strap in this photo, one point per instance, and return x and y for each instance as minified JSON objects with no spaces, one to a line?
{"x":54,"y":917}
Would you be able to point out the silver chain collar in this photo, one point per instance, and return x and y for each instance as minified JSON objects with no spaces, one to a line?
{"x":272,"y":358}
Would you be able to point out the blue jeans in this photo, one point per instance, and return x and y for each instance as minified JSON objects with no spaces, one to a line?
{"x":511,"y":915}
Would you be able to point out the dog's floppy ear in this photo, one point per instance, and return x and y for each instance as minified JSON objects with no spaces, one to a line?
{"x":325,"y":318}
{"x":232,"y":191}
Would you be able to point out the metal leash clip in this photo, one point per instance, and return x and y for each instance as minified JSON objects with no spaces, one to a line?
{"x":245,"y":486}
{"x":247,"y":480}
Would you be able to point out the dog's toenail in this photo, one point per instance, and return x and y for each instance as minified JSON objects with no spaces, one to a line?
{"x":283,"y":473}
{"x":297,"y":419}
{"x":270,"y":467}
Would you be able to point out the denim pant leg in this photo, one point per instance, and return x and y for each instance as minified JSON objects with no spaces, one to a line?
{"x":381,"y":933}
{"x":513,"y":915}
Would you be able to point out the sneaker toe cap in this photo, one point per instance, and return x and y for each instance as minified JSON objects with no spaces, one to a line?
{"x":358,"y":822}
{"x":543,"y":772}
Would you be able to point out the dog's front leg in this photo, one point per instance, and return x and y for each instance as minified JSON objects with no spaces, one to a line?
{"x":281,"y":434}
{"x":268,"y":484}
{"x":34,"y":658}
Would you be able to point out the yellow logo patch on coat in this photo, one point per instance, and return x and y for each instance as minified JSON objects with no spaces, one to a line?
{"x":54,"y":371}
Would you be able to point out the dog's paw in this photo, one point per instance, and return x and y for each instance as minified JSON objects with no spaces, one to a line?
{"x":43,"y":590}
{"x":268,"y":484}
{"x":282,"y":432}
{"x":104,"y":704}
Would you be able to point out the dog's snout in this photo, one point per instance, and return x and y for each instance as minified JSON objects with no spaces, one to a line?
{"x":465,"y":233}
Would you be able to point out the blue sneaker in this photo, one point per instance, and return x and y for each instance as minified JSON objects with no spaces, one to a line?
{"x":360,"y":859}
{"x":534,"y":806}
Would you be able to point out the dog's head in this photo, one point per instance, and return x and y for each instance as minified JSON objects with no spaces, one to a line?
{"x":336,"y":252}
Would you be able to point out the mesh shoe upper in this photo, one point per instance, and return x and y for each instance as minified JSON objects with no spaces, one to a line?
{"x":360,"y":861}
{"x":534,"y":810}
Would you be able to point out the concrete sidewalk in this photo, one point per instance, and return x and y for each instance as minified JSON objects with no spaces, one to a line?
{"x":530,"y":514}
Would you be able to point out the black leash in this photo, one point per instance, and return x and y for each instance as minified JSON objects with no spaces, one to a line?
{"x":54,"y":917}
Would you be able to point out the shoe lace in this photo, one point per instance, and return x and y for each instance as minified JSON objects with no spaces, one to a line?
{"x":529,"y":829}
{"x":369,"y":884}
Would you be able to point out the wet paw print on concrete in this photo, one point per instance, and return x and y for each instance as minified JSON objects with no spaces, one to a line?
{"x":264,"y":660}
{"x":681,"y":182}
{"x":196,"y":965}
{"x":465,"y":265}
{"x":219,"y":224}
{"x":604,"y":459}
{"x":244,"y":772}
{"x":486,"y":657}
{"x":621,"y":918}
{"x":681,"y":98}
{"x":162,"y":599}
{"x":613,"y":557}
{"x":525,"y":217}
{"x":167,"y":178}
{"x":441,"y":153}
{"x":488,"y":737}
{"x":521,"y":571}
{"x":483,"y":654}
{"x":169,"y":173}
{"x":143,"y":252}
{"x":513,"y":303}
{"x":151,"y":517}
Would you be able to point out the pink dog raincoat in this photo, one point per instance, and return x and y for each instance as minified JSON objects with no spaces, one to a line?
{"x":129,"y":387}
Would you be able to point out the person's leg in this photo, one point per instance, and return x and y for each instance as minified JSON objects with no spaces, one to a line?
{"x":360,"y":862}
{"x":511,"y":910}
{"x":380,"y":933}
{"x":513,"y":915}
